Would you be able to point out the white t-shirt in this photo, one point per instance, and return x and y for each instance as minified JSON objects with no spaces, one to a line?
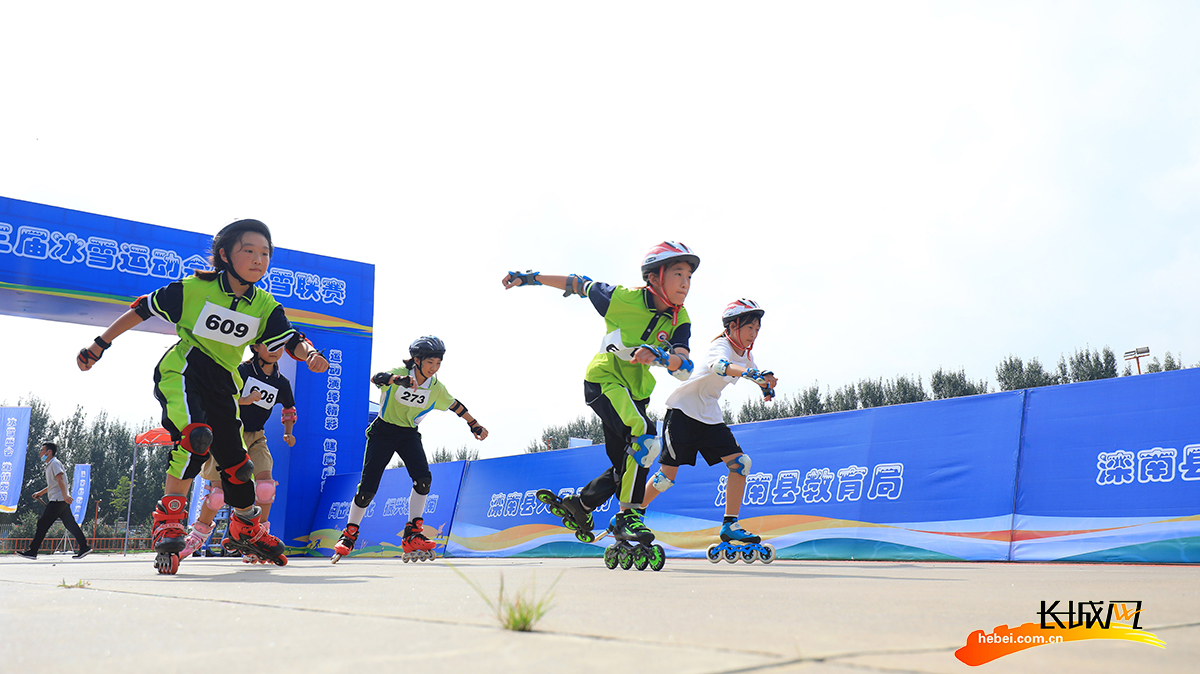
{"x":53,"y":468}
{"x":700,"y":396}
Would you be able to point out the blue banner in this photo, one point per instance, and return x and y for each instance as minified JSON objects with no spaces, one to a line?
{"x":923,"y":481}
{"x":65,"y":265}
{"x":81,"y":491}
{"x":15,"y":422}
{"x":380,"y":531}
{"x":1110,"y":471}
{"x":199,"y":494}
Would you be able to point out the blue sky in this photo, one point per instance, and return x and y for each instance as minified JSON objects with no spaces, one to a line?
{"x":903,"y":186}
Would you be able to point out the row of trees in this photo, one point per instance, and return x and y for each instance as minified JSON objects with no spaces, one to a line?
{"x":108,"y":446}
{"x":1012,"y":374}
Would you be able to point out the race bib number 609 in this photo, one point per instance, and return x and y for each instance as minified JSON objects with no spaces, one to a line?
{"x":225,"y":325}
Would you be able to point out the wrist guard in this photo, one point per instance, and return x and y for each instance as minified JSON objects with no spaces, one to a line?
{"x":685,"y":368}
{"x":575,"y":285}
{"x":288,"y":414}
{"x":529,"y":278}
{"x":382,"y":379}
{"x":757,"y":376}
{"x":661,"y":357}
{"x":476,"y":429}
{"x":291,"y":352}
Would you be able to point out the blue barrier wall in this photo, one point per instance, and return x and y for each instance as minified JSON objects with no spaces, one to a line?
{"x":1098,"y":471}
{"x":1110,"y":471}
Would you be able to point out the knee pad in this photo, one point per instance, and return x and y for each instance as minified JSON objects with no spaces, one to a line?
{"x":661,"y":482}
{"x":216,"y":498}
{"x":363,"y":500}
{"x":740,"y":465}
{"x":241,"y":472}
{"x":422,"y":486}
{"x":645,"y":450}
{"x":265,"y":491}
{"x":196,"y":438}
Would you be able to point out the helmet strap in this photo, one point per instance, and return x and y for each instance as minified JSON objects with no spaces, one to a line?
{"x":662,"y":295}
{"x":732,"y":328}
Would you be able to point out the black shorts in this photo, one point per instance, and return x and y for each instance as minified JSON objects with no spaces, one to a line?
{"x":684,"y":437}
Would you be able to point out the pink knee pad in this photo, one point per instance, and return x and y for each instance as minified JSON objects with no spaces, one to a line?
{"x":216,"y":498}
{"x":265,"y":491}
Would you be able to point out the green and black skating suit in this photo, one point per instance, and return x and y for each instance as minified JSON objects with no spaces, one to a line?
{"x":197,"y":381}
{"x":618,"y":390}
{"x":394,"y":431}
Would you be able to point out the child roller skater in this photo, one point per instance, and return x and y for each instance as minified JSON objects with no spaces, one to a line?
{"x":645,"y":326}
{"x":694,"y":425}
{"x":216,"y":315}
{"x":408,"y":394}
{"x":264,"y":387}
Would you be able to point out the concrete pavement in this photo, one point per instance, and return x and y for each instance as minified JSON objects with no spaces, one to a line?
{"x":790,"y":616}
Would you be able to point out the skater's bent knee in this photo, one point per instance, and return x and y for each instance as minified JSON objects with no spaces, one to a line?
{"x":265,"y":491}
{"x":739,"y":465}
{"x":422,"y":486}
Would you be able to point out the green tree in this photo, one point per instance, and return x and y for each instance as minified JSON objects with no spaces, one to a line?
{"x":558,"y":437}
{"x":118,"y":496}
{"x":443,"y":455}
{"x":954,"y":384}
{"x":810,"y":401}
{"x":1013,"y":374}
{"x":1085,"y":365}
{"x":903,"y":390}
{"x":871,"y":393}
{"x":1154,"y":365}
{"x":842,"y":399}
{"x":1169,"y":362}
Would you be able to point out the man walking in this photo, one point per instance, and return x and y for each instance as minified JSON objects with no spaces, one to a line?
{"x":58,"y":506}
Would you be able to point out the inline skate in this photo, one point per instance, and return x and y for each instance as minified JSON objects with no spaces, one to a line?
{"x":737,"y":543}
{"x":633,"y":548}
{"x":574,"y":516}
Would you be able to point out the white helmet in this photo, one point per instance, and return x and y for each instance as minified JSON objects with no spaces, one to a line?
{"x":741,"y":310}
{"x":667,"y":252}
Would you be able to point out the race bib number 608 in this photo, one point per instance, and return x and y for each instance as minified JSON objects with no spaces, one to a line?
{"x":225,"y":325}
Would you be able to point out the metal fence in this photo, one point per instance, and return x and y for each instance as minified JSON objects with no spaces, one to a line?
{"x":11,"y":545}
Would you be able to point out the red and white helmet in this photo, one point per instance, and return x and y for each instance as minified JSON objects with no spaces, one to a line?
{"x":741,"y":311}
{"x":666,"y":253}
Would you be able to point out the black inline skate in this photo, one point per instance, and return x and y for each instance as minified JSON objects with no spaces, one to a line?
{"x":633,"y":548}
{"x":574,"y":516}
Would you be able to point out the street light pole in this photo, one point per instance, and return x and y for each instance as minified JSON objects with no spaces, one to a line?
{"x":129,"y":510}
{"x":1137,"y":355}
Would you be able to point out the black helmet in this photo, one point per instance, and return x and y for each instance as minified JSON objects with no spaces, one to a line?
{"x":427,"y":346}
{"x":229,"y":235}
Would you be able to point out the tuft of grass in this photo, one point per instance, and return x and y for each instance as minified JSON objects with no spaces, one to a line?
{"x":81,"y":583}
{"x":521,"y":611}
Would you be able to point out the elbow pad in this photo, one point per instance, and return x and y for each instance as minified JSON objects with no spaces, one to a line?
{"x":685,"y":368}
{"x":458,"y":408}
{"x":721,"y":367}
{"x":382,"y":379}
{"x":289,"y":414}
{"x":576,"y":285}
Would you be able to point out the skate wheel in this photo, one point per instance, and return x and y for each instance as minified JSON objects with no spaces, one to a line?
{"x":768,"y":556}
{"x":658,"y":558}
{"x":167,"y":563}
{"x":570,"y":524}
{"x":559,"y":511}
{"x":625,"y":558}
{"x":610,"y":557}
{"x":334,"y":559}
{"x":585,"y":536}
{"x":404,"y":558}
{"x":731,"y":555}
{"x":749,"y":555}
{"x":641,"y":558}
{"x":713,"y":553}
{"x":281,"y":561}
{"x":547,"y":497}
